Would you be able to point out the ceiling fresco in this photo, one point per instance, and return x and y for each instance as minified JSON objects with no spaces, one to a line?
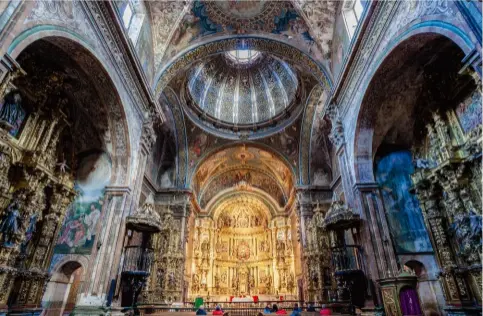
{"x":242,"y":95}
{"x":243,"y":168}
{"x":178,"y":25}
{"x":234,"y":90}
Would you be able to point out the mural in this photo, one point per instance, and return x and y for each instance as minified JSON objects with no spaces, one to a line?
{"x":78,"y":232}
{"x":277,"y":18}
{"x":469,"y":112}
{"x":243,"y":168}
{"x":241,"y":177}
{"x":340,"y":44}
{"x":403,"y":213}
{"x":144,"y":48}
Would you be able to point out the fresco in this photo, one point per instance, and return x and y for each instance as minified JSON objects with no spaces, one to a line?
{"x":340,"y":44}
{"x":144,"y":48}
{"x":402,"y":208}
{"x":237,"y":166}
{"x":233,"y":178}
{"x":469,"y":112}
{"x":78,"y":232}
{"x":277,"y":18}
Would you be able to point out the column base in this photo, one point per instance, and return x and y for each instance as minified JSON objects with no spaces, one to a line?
{"x":460,"y":310}
{"x":91,"y":311}
{"x":91,"y":306}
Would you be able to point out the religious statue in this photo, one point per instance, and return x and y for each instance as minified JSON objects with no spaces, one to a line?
{"x":11,"y":223}
{"x":217,"y":280}
{"x":269,"y":282}
{"x":63,"y":166}
{"x":160,"y":277}
{"x":196,"y":283}
{"x":434,"y":144}
{"x":11,"y":109}
{"x":235,"y":283}
{"x":251,"y":282}
{"x":30,"y":231}
{"x":290,"y":282}
{"x":467,"y":232}
{"x":172,"y":280}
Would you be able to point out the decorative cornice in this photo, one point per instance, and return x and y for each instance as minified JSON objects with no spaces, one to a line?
{"x":124,"y":56}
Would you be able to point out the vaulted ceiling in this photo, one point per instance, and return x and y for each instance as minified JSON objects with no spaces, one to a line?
{"x":242,"y":81}
{"x":178,"y":25}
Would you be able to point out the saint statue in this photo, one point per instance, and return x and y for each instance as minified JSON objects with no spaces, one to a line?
{"x":11,"y":109}
{"x":11,"y":222}
{"x":269,"y":282}
{"x":172,"y":280}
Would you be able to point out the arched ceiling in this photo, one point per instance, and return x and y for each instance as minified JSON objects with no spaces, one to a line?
{"x":243,"y":169}
{"x":242,"y":93}
{"x":178,"y":25}
{"x":267,"y":101}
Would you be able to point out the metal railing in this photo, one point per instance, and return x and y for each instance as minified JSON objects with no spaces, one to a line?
{"x":239,"y":308}
{"x":347,"y":258}
{"x":137,"y":258}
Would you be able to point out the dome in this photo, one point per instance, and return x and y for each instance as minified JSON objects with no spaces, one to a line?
{"x":242,"y":88}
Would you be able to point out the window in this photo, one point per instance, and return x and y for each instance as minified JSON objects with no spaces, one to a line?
{"x":352,"y":12}
{"x":243,"y":56}
{"x":127,"y":14}
{"x":132,"y":18}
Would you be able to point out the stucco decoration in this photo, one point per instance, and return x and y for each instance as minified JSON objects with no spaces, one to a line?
{"x":244,"y":168}
{"x":165,"y":16}
{"x":62,"y":13}
{"x":210,"y":19}
{"x":320,"y":17}
{"x":242,"y":95}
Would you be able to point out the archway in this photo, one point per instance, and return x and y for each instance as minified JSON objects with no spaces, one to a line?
{"x":242,"y":238}
{"x":418,"y":109}
{"x":402,"y":94}
{"x":69,"y":135}
{"x":61,"y":293}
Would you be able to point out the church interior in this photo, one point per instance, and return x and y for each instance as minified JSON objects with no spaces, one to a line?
{"x":159,"y":154}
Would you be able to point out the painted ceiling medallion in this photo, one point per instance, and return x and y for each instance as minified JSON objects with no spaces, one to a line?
{"x":242,"y":96}
{"x":246,"y":15}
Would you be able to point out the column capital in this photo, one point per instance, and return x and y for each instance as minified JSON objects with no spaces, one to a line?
{"x":118,"y":190}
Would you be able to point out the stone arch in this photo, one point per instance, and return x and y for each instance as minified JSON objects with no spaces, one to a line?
{"x":64,"y":285}
{"x":85,"y":53}
{"x":172,"y":105}
{"x":417,"y":266}
{"x":417,"y":34}
{"x":217,"y":149}
{"x":221,"y":44}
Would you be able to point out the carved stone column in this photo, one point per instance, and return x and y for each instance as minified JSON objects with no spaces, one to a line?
{"x":119,"y":202}
{"x":311,"y":207}
{"x":103,"y":267}
{"x":366,"y":199}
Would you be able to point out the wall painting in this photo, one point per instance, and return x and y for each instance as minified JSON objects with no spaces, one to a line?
{"x":402,"y":208}
{"x":469,"y":112}
{"x":78,"y":232}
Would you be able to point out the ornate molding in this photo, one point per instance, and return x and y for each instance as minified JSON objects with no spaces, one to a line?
{"x":111,"y":31}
